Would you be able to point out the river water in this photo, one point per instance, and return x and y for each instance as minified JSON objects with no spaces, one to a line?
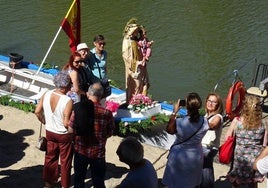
{"x":197,"y":42}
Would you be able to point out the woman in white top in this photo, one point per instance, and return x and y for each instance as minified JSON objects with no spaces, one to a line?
{"x":211,"y":140}
{"x":54,"y":110}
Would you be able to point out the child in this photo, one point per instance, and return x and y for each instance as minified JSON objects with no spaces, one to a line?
{"x":145,"y":44}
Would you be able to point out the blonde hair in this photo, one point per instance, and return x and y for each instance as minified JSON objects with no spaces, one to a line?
{"x":251,"y":112}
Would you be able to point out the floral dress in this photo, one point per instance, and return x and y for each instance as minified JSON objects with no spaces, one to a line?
{"x":248,"y":147}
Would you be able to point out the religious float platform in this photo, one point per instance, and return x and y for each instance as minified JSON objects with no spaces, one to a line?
{"x":147,"y":125}
{"x":25,"y":84}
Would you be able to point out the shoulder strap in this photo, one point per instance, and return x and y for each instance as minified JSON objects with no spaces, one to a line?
{"x":97,"y":62}
{"x":211,"y":116}
{"x":190,"y":136}
{"x":40,"y":131}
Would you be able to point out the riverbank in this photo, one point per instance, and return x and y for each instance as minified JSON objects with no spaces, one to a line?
{"x":21,"y":163}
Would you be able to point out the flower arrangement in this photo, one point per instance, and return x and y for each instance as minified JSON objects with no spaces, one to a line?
{"x":112,"y":105}
{"x":140,"y":103}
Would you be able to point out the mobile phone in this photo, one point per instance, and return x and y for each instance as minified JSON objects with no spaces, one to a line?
{"x":182,"y":102}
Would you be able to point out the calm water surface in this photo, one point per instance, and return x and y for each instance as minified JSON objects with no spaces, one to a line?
{"x":197,"y":43}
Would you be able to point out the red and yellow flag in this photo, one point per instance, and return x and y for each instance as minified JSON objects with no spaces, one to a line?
{"x":71,"y":24}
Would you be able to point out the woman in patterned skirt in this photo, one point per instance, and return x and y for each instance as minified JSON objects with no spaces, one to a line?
{"x":250,"y":132}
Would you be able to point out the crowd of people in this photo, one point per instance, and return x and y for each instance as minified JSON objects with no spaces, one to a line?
{"x":190,"y":159}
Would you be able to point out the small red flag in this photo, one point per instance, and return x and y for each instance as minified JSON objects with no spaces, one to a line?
{"x":71,"y":24}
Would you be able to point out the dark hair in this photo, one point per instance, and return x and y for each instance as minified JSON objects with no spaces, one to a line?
{"x":193,"y":104}
{"x":130,"y":151}
{"x":98,"y":38}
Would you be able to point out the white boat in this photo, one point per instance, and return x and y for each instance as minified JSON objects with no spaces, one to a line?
{"x":24,"y":84}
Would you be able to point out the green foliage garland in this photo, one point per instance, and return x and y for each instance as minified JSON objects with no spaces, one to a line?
{"x":21,"y":105}
{"x":143,"y":125}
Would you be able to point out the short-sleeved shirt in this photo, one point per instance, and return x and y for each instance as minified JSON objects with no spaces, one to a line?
{"x":262,"y":165}
{"x":93,"y":146}
{"x":142,"y":177}
{"x":99,"y":65}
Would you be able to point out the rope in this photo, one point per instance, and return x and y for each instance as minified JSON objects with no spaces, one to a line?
{"x":12,"y":76}
{"x":165,"y":152}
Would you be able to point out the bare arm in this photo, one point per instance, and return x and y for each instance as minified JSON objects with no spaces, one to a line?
{"x":231,"y":129}
{"x":75,"y":81}
{"x":265,"y":140}
{"x":67,"y":113}
{"x":171,"y":126}
{"x":263,"y":154}
{"x":215,"y":122}
{"x":39,"y":112}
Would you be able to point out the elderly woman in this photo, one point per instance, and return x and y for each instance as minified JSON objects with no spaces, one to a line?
{"x":54,"y":110}
{"x":137,"y":79}
{"x":142,"y":173}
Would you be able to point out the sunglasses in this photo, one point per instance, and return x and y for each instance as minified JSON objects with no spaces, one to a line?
{"x":102,"y":43}
{"x":78,"y":61}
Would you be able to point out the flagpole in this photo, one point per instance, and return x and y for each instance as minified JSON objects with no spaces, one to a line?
{"x":52,"y":43}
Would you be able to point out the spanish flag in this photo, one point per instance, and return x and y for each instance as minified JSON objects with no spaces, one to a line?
{"x":71,"y":24}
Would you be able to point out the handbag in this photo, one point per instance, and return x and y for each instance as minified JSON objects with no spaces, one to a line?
{"x":42,"y":141}
{"x":107,"y":90}
{"x":226,"y":150}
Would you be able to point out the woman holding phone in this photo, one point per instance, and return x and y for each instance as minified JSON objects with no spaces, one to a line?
{"x":185,"y":160}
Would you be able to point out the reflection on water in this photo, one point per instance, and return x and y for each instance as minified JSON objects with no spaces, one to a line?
{"x":196,"y":42}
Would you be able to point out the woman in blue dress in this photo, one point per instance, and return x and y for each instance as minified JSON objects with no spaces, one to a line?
{"x":185,"y":160}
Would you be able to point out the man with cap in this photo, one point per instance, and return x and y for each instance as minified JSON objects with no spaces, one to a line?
{"x":83,"y":49}
{"x":86,"y":70}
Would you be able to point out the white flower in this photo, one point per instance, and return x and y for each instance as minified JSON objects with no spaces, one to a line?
{"x":125,"y":123}
{"x":139,"y":121}
{"x":143,"y":110}
{"x":130,"y":106}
